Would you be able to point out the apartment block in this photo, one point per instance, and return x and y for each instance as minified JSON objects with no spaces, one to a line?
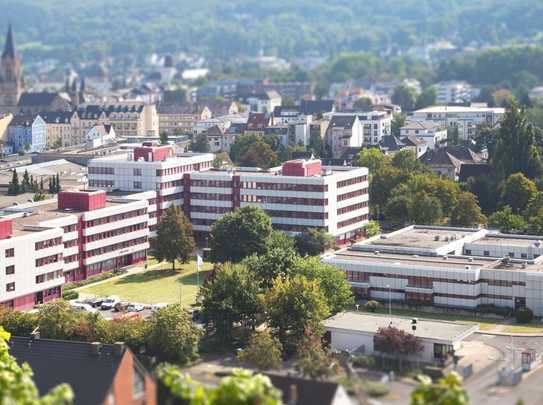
{"x":447,"y":267}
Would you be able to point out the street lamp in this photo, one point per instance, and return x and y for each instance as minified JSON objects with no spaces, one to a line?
{"x":389,"y":301}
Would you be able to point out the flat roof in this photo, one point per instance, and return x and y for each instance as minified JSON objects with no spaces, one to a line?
{"x":451,"y":262}
{"x":426,"y":328}
{"x":508,"y":240}
{"x":420,"y":237}
{"x":460,"y":109}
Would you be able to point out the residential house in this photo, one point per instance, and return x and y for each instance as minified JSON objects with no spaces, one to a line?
{"x":264,"y":102}
{"x":433,"y":134}
{"x":448,"y":161}
{"x":218,"y":139}
{"x":22,"y":138}
{"x":100,"y":135}
{"x":301,"y":391}
{"x":220,"y":107}
{"x":181,"y":118}
{"x":98,"y":373}
{"x":34,"y":103}
{"x":58,"y":128}
{"x":257,"y":123}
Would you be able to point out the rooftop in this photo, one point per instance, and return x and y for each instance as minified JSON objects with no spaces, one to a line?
{"x":509,"y":240}
{"x":421,"y":237}
{"x":426,"y":329}
{"x":459,"y":109}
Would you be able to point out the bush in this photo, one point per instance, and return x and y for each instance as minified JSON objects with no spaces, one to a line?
{"x":361,"y":360}
{"x":371,"y":305}
{"x":93,"y":279}
{"x":493,"y":309}
{"x":70,"y":295}
{"x":375,"y":389}
{"x":524,"y":315}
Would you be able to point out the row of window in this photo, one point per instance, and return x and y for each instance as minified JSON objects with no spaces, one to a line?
{"x":211,"y":183}
{"x":70,"y":228}
{"x":43,"y":261}
{"x":183,"y":169}
{"x":44,"y":244}
{"x":350,"y":182}
{"x":210,"y":209}
{"x":71,"y":258}
{"x":211,"y":196}
{"x":101,"y":170}
{"x":101,"y":183}
{"x":170,"y":184}
{"x":70,"y":243}
{"x":297,"y":214}
{"x":48,"y":276}
{"x":352,"y":194}
{"x":116,"y":246}
{"x":116,"y":217}
{"x":352,"y":221}
{"x":9,"y":252}
{"x":115,"y":232}
{"x":351,"y":208}
{"x":319,"y":188}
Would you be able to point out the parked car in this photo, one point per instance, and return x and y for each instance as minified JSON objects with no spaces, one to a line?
{"x":78,"y":306}
{"x":96,"y":301}
{"x":109,"y":302}
{"x":135,"y":307}
{"x":120,"y":306}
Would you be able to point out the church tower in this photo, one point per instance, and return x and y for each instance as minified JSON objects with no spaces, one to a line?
{"x":11,"y":78}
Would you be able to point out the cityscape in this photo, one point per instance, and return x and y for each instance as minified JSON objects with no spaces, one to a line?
{"x":213,"y":203}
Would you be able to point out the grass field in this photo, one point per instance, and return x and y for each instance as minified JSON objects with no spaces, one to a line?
{"x":153,"y":286}
{"x":485,"y":324}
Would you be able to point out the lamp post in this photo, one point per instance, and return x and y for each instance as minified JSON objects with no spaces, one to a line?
{"x":389,"y":301}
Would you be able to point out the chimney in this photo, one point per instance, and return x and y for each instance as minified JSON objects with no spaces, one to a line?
{"x":96,"y":348}
{"x":118,"y":349}
{"x":292,"y":395}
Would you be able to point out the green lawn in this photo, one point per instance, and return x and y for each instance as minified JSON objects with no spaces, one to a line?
{"x":154,"y":286}
{"x":485,"y":324}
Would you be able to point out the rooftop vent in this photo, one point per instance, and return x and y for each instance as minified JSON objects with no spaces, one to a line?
{"x":436,"y":238}
{"x":445,"y":257}
{"x":468,"y":267}
{"x":470,"y":260}
{"x":446,"y":238}
{"x":384,"y":237}
{"x":376,"y":252}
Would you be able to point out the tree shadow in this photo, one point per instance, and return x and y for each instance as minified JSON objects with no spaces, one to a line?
{"x":191,"y":279}
{"x":149,"y":275}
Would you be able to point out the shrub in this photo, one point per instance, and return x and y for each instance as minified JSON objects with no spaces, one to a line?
{"x":524,"y":315}
{"x":371,"y":305}
{"x":93,"y":279}
{"x":361,"y":360}
{"x":375,"y":389}
{"x":70,"y":295}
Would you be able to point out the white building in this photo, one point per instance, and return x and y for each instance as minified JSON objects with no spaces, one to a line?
{"x":46,"y":243}
{"x":99,"y":135}
{"x":467,"y":119}
{"x":454,"y":92}
{"x":355,"y":331}
{"x":264,"y":102}
{"x":296,"y":195}
{"x":431,"y":133}
{"x":446,"y":266}
{"x":355,"y":130}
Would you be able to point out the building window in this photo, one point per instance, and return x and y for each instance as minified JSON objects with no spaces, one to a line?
{"x":137,"y":172}
{"x":523,"y":255}
{"x":468,"y":251}
{"x":486,"y":253}
{"x":511,"y":254}
{"x":10,"y":287}
{"x":10,"y":252}
{"x":10,"y":270}
{"x":137,"y":184}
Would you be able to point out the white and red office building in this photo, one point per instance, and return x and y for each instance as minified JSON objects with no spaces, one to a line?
{"x":45,"y":244}
{"x":297,"y":195}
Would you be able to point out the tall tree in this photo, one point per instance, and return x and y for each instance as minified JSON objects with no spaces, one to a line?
{"x":425,"y":209}
{"x":230,"y":297}
{"x":398,"y":121}
{"x":26,"y":184}
{"x":14,"y":187}
{"x":363,"y":104}
{"x":507,"y":221}
{"x":467,"y":211}
{"x":293,"y":306}
{"x":264,"y":352}
{"x":313,"y":241}
{"x":372,"y":158}
{"x":517,"y":192}
{"x":17,"y":386}
{"x":405,"y":97}
{"x":516,"y":149}
{"x":174,"y":240}
{"x":163,"y":138}
{"x":427,"y":98}
{"x":240,"y":234}
{"x":200,"y":143}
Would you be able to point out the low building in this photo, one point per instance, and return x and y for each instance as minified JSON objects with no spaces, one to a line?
{"x":454,"y":92}
{"x":99,"y":135}
{"x":22,"y":138}
{"x":264,"y":102}
{"x":467,"y":120}
{"x":448,"y":161}
{"x":432,"y":134}
{"x":355,"y":332}
{"x":57,"y":126}
{"x":98,"y":374}
{"x":448,"y":267}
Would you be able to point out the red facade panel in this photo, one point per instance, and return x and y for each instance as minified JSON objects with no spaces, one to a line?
{"x":6,"y":228}
{"x":302,"y":168}
{"x":82,"y":200}
{"x":153,"y":153}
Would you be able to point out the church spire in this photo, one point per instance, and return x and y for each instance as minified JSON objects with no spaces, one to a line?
{"x":9,"y":47}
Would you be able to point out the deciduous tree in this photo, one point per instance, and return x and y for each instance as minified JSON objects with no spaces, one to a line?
{"x":313,"y":241}
{"x":517,"y":192}
{"x":507,"y":221}
{"x":174,"y":240}
{"x":467,"y":212}
{"x":446,"y":391}
{"x":264,"y":352}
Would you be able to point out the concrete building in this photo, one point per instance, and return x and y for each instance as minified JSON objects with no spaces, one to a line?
{"x":22,"y":138}
{"x":47,"y":243}
{"x":264,"y":102}
{"x":454,"y":92}
{"x":467,"y":119}
{"x":431,"y":133}
{"x":446,"y":266}
{"x":355,"y":331}
{"x":296,"y":195}
{"x":57,"y":127}
{"x":181,"y":118}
